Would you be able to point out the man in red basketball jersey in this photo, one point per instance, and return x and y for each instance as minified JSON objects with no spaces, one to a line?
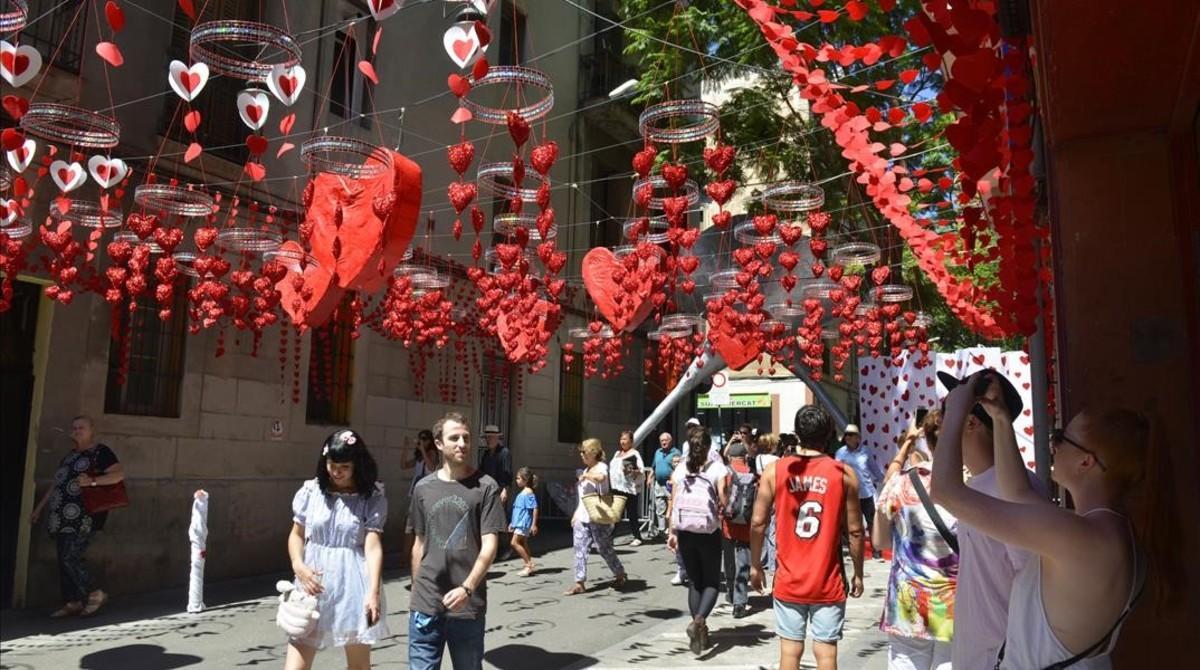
{"x":815,"y":497}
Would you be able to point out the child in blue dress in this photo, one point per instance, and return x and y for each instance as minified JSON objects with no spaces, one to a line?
{"x":524,"y":518}
{"x":337,"y":554}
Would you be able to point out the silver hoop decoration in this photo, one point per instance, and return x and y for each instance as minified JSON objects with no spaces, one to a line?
{"x":498,"y":75}
{"x":507,"y":224}
{"x":584,"y":332}
{"x":132,"y":238}
{"x":185,"y":262}
{"x":770,"y":325}
{"x":252,"y":240}
{"x":292,"y":259}
{"x":746,"y":233}
{"x":793,"y":196}
{"x":489,"y":174}
{"x":431,"y":281}
{"x":491,"y":257}
{"x":407,"y":255}
{"x":725,"y":280}
{"x":412,"y":271}
{"x":19,"y":229}
{"x":864,"y":308}
{"x":212,"y":43}
{"x":923,"y":320}
{"x":88,"y":214}
{"x":856,"y":253}
{"x":345,"y":156}
{"x":690,"y":189}
{"x":664,"y":334}
{"x":782,"y":310}
{"x":893,"y":293}
{"x":627,"y":249}
{"x":657,"y":233}
{"x":701,"y":120}
{"x":16,"y":16}
{"x":5,"y":178}
{"x":67,"y":124}
{"x":821,"y":289}
{"x":178,"y":200}
{"x":682,"y":322}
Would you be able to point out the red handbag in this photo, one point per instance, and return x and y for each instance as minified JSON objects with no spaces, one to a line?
{"x":97,"y":499}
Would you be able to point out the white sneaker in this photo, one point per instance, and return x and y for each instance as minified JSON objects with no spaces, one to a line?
{"x":636,"y":543}
{"x":677,"y":580}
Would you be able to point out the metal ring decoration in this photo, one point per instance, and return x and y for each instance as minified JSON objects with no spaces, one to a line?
{"x":682,"y":322}
{"x":856,"y":253}
{"x":520,"y":76}
{"x":657,"y":233}
{"x":292,"y":259}
{"x":491,"y":257}
{"x":584,"y":332}
{"x":923,"y":320}
{"x":746,"y":234}
{"x":345,"y":156}
{"x":723,"y":280}
{"x":863,"y":308}
{"x":184,"y":262}
{"x":703,"y":119}
{"x":626,"y":249}
{"x":212,"y":43}
{"x":253,"y":240}
{"x":893,"y":293}
{"x":19,"y":229}
{"x":411,"y":271}
{"x":5,"y":178}
{"x":690,"y":189}
{"x":782,"y":310}
{"x":89,"y":214}
{"x":821,"y":289}
{"x":665,"y":333}
{"x":132,"y":238}
{"x":178,"y":200}
{"x":16,"y":16}
{"x":507,"y":224}
{"x":489,"y":174}
{"x":67,"y":124}
{"x":431,"y":281}
{"x":793,"y":196}
{"x":771,"y":325}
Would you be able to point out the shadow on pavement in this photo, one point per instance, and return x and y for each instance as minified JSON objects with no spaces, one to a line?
{"x":140,"y":656}
{"x":733,"y":637}
{"x":523,"y":657}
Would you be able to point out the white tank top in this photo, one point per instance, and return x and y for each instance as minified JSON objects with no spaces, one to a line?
{"x":1031,"y":644}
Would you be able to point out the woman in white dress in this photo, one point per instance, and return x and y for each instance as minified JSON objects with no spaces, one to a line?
{"x":337,"y":554}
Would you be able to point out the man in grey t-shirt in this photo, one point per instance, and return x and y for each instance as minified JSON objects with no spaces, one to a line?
{"x":456,"y":516}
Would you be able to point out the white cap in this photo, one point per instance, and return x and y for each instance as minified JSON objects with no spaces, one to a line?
{"x":693,"y":422}
{"x":491,"y":428}
{"x":851,"y":429}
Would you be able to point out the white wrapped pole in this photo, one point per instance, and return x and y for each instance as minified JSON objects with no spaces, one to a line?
{"x":198,"y":534}
{"x":705,"y":365}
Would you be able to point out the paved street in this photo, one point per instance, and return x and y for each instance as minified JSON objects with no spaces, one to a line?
{"x":531,"y":626}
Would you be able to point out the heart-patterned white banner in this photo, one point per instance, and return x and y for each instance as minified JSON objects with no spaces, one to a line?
{"x":462,"y":44}
{"x":286,"y":82}
{"x":253,"y":106}
{"x":107,"y":171}
{"x":187,"y":82}
{"x":68,"y":176}
{"x":19,"y":64}
{"x":22,"y":156}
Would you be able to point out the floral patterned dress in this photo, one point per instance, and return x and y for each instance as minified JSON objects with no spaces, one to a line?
{"x":920,"y":600}
{"x":335,"y":534}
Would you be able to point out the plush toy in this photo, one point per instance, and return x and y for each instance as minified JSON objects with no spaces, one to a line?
{"x":297,"y":614}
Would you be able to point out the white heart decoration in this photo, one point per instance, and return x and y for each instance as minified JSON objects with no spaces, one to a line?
{"x":68,"y":176}
{"x":22,"y":156}
{"x":253,"y":106}
{"x":462,"y":44}
{"x":286,"y":82}
{"x":381,"y":9}
{"x":19,"y":64}
{"x":8,"y":212}
{"x":187,"y":82}
{"x":107,"y":171}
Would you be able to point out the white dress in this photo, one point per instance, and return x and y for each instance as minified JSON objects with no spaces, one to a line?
{"x":335,"y":532}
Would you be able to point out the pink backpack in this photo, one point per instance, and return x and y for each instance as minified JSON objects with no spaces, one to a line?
{"x":695,"y":506}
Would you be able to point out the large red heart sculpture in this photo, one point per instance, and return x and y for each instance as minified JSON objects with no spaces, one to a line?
{"x":725,"y":341}
{"x":599,"y":265}
{"x":399,"y":227}
{"x":320,"y":303}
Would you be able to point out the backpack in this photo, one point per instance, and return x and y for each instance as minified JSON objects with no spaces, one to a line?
{"x":743,"y":489}
{"x":695,"y":507}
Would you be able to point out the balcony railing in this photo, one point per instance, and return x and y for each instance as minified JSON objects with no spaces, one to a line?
{"x":58,"y":35}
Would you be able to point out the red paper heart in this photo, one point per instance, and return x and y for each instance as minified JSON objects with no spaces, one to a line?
{"x":110,"y":53}
{"x":459,"y":85}
{"x":115,"y":16}
{"x":12,"y":138}
{"x":518,"y":129}
{"x":16,"y":106}
{"x":257,"y":144}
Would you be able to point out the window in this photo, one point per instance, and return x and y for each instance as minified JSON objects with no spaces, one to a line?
{"x":570,"y":399}
{"x":58,"y":33}
{"x":347,"y":90}
{"x":495,"y":393}
{"x":145,"y":363}
{"x":331,"y":369}
{"x":512,"y":34}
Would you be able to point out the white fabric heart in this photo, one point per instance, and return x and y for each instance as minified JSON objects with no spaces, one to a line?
{"x":286,"y":82}
{"x":187,"y":82}
{"x":381,"y":9}
{"x":8,"y":212}
{"x":462,"y":43}
{"x":19,"y":64}
{"x":22,"y":156}
{"x":68,"y":176}
{"x":253,"y":106}
{"x":107,"y":171}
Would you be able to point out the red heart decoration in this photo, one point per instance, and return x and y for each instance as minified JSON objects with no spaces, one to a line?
{"x":460,"y":156}
{"x":643,"y":160}
{"x":461,"y":194}
{"x":257,"y":144}
{"x":11,"y":138}
{"x":459,"y":85}
{"x":721,"y":220}
{"x":624,"y":311}
{"x":880,"y":275}
{"x":143,"y":225}
{"x":168,"y":238}
{"x":543,"y":157}
{"x":16,"y":106}
{"x":518,"y":129}
{"x":675,"y":175}
{"x":719,"y":158}
{"x":204,"y":237}
{"x":720,"y":191}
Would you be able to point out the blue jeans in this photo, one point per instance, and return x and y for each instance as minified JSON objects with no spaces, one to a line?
{"x":429,"y":635}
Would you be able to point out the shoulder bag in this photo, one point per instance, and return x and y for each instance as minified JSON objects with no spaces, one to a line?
{"x":943,"y":530}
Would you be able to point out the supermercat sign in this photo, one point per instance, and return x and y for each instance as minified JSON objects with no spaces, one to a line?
{"x":736,"y":401}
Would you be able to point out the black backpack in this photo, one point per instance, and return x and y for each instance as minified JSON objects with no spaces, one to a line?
{"x":743,"y":489}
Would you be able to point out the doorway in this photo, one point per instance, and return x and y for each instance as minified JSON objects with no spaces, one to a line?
{"x":18,"y":335}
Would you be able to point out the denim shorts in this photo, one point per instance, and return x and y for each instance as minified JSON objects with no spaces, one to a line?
{"x":791,"y":620}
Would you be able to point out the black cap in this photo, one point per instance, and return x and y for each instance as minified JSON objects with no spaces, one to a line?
{"x":1012,"y":399}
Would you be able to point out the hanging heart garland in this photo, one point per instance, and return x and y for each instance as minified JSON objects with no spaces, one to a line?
{"x":187,"y":81}
{"x":19,"y":64}
{"x":107,"y":171}
{"x":20,"y":157}
{"x":67,"y":176}
{"x":286,"y":82}
{"x":253,"y":106}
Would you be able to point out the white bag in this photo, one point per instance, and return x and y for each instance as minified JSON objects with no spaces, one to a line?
{"x":297,"y":614}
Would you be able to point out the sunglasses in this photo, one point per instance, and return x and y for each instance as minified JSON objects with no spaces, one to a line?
{"x":1058,"y":436}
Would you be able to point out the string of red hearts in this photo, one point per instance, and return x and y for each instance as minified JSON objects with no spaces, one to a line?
{"x":987,"y":86}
